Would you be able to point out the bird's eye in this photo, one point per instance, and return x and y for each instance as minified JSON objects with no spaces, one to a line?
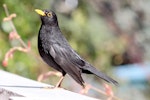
{"x":49,"y":14}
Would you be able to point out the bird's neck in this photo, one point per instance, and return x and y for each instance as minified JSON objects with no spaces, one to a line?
{"x":50,"y":24}
{"x":49,"y":28}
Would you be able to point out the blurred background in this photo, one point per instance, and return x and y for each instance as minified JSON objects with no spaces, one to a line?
{"x":113,"y":35}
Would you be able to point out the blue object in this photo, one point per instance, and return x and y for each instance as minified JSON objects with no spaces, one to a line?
{"x":133,"y":72}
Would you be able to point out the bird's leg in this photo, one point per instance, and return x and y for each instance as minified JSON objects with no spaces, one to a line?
{"x":48,"y":74}
{"x":59,"y":82}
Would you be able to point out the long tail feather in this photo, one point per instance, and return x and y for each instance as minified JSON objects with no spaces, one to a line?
{"x":93,"y":70}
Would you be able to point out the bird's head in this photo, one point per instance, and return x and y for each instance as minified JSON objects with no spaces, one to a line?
{"x":47,"y":17}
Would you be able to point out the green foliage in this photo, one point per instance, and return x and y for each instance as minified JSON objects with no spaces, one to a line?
{"x":85,"y":30}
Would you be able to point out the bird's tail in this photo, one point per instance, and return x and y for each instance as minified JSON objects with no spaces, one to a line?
{"x":93,"y":70}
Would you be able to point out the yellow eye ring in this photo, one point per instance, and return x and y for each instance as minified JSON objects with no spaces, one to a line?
{"x":49,"y":14}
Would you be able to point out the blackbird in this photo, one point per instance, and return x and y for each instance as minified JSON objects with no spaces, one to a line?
{"x":57,"y":53}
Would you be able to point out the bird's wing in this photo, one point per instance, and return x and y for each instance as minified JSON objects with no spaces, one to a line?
{"x":63,"y":56}
{"x":72,"y":63}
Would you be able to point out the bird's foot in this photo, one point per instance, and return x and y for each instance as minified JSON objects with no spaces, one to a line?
{"x":47,"y":87}
{"x":50,"y":88}
{"x":58,"y":85}
{"x":48,"y":74}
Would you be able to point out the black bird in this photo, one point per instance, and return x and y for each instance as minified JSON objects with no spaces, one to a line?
{"x":57,"y":53}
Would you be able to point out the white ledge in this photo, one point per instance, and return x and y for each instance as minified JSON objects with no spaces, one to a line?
{"x":15,"y":87}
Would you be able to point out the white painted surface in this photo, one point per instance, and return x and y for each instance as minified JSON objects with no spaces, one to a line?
{"x":33,"y":90}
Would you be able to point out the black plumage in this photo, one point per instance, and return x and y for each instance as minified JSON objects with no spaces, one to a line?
{"x":57,"y":53}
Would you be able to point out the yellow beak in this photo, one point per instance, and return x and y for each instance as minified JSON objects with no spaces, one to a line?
{"x":40,"y":12}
